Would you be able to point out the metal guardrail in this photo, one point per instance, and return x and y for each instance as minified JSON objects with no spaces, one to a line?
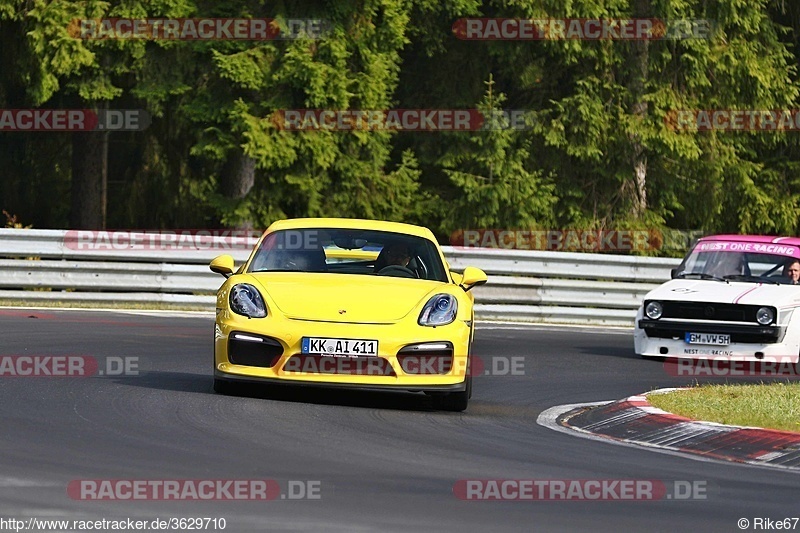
{"x":554,"y":287}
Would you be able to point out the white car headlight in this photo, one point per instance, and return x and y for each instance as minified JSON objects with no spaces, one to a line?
{"x":765,"y":316}
{"x":439,"y":311}
{"x":654,"y":310}
{"x":247,"y":301}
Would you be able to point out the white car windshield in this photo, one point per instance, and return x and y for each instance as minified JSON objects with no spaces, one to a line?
{"x":739,"y":261}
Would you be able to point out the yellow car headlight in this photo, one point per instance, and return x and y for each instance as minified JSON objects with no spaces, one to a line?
{"x":439,"y":311}
{"x":245,"y":300}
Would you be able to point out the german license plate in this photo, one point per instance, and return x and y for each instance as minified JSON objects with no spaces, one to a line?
{"x":716,"y":339}
{"x":339,"y":347}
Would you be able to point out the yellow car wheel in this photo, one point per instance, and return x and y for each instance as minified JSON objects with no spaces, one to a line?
{"x":454,"y":401}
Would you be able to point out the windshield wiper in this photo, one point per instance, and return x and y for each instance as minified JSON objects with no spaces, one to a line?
{"x":745,"y":277}
{"x":701,"y":275}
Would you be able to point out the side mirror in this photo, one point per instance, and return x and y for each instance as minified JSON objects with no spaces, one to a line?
{"x":673,"y":272}
{"x":472,"y":277}
{"x":222,"y":264}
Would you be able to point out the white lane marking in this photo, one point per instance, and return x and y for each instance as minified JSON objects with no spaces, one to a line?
{"x":538,"y":326}
{"x":15,"y":482}
{"x":549,"y":419}
{"x":47,"y":513}
{"x":666,"y":390}
{"x":165,"y":312}
{"x":143,"y":312}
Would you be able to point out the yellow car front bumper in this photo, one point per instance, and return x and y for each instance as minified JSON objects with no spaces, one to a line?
{"x":386,"y":371}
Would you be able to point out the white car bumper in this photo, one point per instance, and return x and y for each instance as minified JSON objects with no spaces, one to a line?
{"x":667,"y":339}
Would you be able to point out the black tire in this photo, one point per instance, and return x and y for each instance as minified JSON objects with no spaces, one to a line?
{"x":222,"y":386}
{"x":454,"y":401}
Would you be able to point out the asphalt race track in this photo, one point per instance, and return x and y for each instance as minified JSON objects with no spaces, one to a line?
{"x":382,"y":461}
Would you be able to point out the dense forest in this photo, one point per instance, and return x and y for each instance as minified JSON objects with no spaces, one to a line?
{"x":598,"y":150}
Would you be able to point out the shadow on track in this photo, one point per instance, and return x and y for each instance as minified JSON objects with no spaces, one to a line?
{"x":201,"y":383}
{"x":609,"y":351}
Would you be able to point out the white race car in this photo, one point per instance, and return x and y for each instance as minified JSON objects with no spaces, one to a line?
{"x":733,"y":297}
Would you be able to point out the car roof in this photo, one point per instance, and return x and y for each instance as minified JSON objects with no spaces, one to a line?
{"x":352,"y":223}
{"x":792,"y":241}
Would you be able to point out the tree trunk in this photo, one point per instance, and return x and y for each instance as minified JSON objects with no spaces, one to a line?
{"x":238,"y":178}
{"x":638,"y":196}
{"x":639,"y":179}
{"x":89,"y":180}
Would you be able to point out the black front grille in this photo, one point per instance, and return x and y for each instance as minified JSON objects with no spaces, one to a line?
{"x":244,"y":349}
{"x":711,"y":311}
{"x":660,"y":329}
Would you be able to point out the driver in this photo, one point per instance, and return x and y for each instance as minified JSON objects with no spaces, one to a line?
{"x":792,"y":271}
{"x":398,"y":254}
{"x":294,"y":260}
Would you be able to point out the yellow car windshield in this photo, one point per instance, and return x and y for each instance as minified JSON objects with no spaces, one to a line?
{"x":349,"y":251}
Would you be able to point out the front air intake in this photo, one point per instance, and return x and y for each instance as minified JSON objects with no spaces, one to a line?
{"x":248,"y":349}
{"x":426,"y":358}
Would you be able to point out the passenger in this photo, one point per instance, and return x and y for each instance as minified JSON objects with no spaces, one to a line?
{"x":727,"y":264}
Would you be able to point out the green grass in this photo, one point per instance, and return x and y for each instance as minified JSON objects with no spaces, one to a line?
{"x":774,"y":405}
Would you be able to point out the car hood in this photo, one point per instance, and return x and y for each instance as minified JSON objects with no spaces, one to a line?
{"x":687,"y":290}
{"x":345,"y":297}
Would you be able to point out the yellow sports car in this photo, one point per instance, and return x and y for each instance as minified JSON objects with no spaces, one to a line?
{"x":344,"y":302}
